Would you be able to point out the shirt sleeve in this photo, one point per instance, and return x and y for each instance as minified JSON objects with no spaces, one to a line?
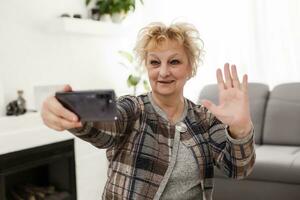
{"x":107,"y":134}
{"x":235,"y":157}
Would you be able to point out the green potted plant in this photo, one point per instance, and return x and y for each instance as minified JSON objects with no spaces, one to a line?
{"x":105,"y":9}
{"x":102,"y":10}
{"x":137,"y":73}
{"x":116,"y":9}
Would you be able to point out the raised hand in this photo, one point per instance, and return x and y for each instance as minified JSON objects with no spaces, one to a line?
{"x":233,"y":108}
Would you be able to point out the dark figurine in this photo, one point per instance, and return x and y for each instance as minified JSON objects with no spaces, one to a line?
{"x":77,"y":16}
{"x":18,"y":106}
{"x":65,"y":15}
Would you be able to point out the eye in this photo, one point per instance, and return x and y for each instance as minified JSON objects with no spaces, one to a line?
{"x":154,"y":62}
{"x":175,"y":62}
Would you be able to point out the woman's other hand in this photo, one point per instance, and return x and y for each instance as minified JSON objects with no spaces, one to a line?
{"x":233,"y":108}
{"x":57,"y":117}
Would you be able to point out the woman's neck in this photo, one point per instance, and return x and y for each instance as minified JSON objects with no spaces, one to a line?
{"x":173,"y":106}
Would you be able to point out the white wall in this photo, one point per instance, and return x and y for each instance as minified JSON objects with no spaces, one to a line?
{"x":33,"y":53}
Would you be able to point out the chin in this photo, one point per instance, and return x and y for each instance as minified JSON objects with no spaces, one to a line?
{"x":164,"y":92}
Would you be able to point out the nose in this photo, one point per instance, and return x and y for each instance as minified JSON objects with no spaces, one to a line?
{"x":164,"y":70}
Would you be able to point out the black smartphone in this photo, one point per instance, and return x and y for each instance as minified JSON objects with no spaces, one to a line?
{"x":90,"y":105}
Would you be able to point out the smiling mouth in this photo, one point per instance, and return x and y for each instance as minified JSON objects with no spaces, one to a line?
{"x":165,"y":82}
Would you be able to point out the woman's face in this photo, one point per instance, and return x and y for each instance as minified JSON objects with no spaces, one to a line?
{"x":168,"y":68}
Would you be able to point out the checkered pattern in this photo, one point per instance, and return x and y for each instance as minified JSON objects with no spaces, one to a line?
{"x":139,"y":146}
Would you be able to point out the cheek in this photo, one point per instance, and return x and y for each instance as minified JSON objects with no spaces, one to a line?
{"x":152,"y":74}
{"x":182,"y":73}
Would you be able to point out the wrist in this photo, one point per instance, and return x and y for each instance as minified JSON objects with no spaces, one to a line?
{"x":239,"y":132}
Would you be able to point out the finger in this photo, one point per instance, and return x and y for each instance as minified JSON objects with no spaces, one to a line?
{"x":65,"y":124}
{"x":57,"y":108}
{"x":60,"y":124}
{"x":65,"y":88}
{"x":235,"y":79}
{"x":245,"y":84}
{"x":228,"y":79}
{"x":221,"y":84}
{"x":49,"y":120}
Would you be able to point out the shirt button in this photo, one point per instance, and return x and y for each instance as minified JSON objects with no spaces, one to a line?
{"x":181,"y":127}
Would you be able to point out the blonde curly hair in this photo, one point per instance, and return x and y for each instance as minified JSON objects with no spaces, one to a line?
{"x":154,"y":34}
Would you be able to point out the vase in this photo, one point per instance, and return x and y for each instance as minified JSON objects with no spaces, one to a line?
{"x":118,"y":17}
{"x":105,"y":18}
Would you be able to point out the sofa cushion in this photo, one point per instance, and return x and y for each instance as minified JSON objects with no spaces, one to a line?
{"x":282,"y":121}
{"x":275,"y":164}
{"x":258,"y":95}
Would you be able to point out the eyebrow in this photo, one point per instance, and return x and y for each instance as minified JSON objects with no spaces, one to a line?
{"x":171,"y":56}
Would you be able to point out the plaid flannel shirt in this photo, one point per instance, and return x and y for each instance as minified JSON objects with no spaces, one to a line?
{"x":139,"y":146}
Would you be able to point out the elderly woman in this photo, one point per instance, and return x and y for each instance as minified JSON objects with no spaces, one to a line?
{"x":162,"y":145}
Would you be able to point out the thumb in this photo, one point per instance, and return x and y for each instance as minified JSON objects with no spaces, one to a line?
{"x":209,"y":105}
{"x":67,"y":88}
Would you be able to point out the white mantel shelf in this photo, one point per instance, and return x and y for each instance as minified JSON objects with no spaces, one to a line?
{"x":26,"y":131}
{"x":89,"y":27}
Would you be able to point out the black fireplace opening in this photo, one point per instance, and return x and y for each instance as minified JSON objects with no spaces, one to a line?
{"x":45,"y":172}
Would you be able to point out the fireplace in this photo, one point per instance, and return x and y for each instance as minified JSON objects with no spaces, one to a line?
{"x":44,"y":172}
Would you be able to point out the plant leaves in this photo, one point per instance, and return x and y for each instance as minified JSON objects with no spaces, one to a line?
{"x":124,"y":65}
{"x":126,"y":55}
{"x":87,"y":2}
{"x":146,"y":85}
{"x":133,"y":80}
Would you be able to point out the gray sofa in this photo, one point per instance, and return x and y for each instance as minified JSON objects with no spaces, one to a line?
{"x":276,"y":119}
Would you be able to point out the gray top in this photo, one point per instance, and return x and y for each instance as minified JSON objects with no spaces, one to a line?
{"x":182,"y":179}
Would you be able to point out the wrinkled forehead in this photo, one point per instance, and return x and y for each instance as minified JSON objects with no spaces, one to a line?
{"x":163,"y":45}
{"x":164,"y":48}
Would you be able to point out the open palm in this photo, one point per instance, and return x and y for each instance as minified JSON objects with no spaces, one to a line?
{"x":233,"y":108}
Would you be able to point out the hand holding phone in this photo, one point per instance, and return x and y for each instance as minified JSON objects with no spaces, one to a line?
{"x":90,"y":105}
